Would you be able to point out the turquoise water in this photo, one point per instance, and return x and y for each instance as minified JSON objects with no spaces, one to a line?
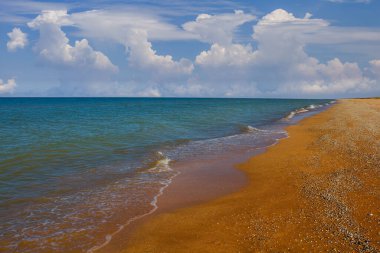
{"x":70,"y":166}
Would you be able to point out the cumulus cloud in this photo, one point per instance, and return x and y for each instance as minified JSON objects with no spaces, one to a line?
{"x":142,"y":56}
{"x":334,"y":77}
{"x":7,"y":87}
{"x":232,"y":55}
{"x":279,"y":66}
{"x":375,"y":68}
{"x":56,"y":17}
{"x":131,"y":29}
{"x":223,"y":69}
{"x":81,"y":70}
{"x":135,"y":30}
{"x":53,"y":44}
{"x":217,"y":28}
{"x":17,"y":39}
{"x":281,"y":39}
{"x":274,"y":63}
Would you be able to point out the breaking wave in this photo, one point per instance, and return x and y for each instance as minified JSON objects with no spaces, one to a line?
{"x":307,"y":109}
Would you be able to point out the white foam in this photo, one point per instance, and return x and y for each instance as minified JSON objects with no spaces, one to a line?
{"x":303,"y":110}
{"x":162,"y":165}
{"x":251,"y":129}
{"x":290,"y":115}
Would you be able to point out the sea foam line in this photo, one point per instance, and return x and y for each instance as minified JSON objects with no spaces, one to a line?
{"x":307,"y":109}
{"x":165,"y":161}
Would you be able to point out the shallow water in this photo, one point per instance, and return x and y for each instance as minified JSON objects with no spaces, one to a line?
{"x":71,"y":167}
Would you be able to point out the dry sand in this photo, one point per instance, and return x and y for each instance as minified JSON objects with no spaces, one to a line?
{"x":316,"y":191}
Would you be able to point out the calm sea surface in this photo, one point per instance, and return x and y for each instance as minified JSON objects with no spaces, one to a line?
{"x":71,"y":167}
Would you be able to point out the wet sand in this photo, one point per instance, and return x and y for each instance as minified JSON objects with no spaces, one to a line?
{"x":318,"y":190}
{"x":200,"y":180}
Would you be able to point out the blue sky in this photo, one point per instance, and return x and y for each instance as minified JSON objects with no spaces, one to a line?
{"x":298,"y":49}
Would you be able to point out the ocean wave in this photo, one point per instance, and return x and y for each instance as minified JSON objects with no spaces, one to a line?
{"x":311,"y":107}
{"x":161,"y":164}
{"x":250,"y":129}
{"x":306,"y":109}
{"x":295,"y":112}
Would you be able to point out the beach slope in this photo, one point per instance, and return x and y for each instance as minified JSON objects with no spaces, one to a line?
{"x":318,"y":190}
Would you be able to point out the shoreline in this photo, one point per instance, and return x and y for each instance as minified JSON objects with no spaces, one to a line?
{"x":113,"y":177}
{"x":275,"y":210}
{"x":203,"y":180}
{"x":193,"y":184}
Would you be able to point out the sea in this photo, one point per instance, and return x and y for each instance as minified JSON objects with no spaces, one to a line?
{"x":75,"y":171}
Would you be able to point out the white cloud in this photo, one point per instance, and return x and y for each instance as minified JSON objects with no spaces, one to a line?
{"x":146,"y":66}
{"x":17,"y":39}
{"x":131,"y":29}
{"x":275,"y":63}
{"x":281,"y":36}
{"x":81,"y":70}
{"x":116,"y":25}
{"x":7,"y":87}
{"x":375,"y":68}
{"x":314,"y":31}
{"x":280,"y":16}
{"x":334,"y":77}
{"x":142,"y":56}
{"x":53,"y":44}
{"x":281,"y":39}
{"x":217,"y":28}
{"x":231,"y":55}
{"x":56,"y":17}
{"x":280,"y":66}
{"x":135,"y":30}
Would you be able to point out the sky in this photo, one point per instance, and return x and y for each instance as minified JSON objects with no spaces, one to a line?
{"x":178,"y":48}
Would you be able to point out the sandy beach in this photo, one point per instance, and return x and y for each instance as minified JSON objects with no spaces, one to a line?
{"x":316,"y":191}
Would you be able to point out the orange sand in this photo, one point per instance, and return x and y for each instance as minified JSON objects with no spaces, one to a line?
{"x":318,"y":190}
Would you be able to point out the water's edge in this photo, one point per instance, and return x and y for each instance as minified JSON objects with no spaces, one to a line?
{"x":167,"y":195}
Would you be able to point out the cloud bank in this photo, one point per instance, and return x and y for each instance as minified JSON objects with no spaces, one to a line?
{"x":280,"y":67}
{"x":274,"y":63}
